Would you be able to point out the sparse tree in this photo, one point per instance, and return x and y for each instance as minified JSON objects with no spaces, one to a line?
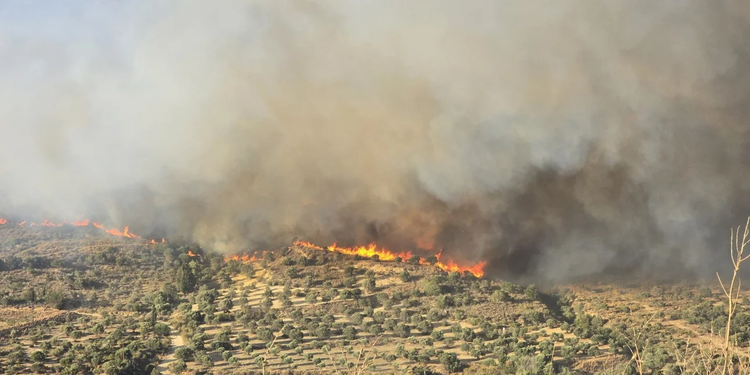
{"x":405,"y":276}
{"x":186,"y":279}
{"x":732,"y":291}
{"x":369,"y":284}
{"x":450,"y":362}
{"x":431,"y":287}
{"x":500,"y":296}
{"x":350,"y":333}
{"x":226,"y":304}
{"x":532,"y":293}
{"x":184,"y":354}
{"x":38,"y":356}
{"x":162,"y":330}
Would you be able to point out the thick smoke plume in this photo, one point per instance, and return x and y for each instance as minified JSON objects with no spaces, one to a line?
{"x":554,"y":139}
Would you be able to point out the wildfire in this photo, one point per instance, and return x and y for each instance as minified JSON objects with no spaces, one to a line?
{"x":84,"y":223}
{"x":125,"y":232}
{"x":383,"y":254}
{"x":245,"y":258}
{"x":368,"y":251}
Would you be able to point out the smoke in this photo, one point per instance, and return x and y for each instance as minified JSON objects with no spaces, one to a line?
{"x":554,"y":139}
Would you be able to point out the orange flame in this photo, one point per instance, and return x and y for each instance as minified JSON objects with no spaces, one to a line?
{"x":383,"y":254}
{"x":192,"y":254}
{"x":125,"y":232}
{"x":245,"y":258}
{"x":365,"y":251}
{"x":84,"y":223}
{"x":47,"y":223}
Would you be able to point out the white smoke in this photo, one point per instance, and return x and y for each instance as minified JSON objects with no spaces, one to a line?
{"x":564,"y":138}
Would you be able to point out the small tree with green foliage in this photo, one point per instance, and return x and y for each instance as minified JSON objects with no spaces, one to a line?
{"x":532,"y":293}
{"x":450,"y":362}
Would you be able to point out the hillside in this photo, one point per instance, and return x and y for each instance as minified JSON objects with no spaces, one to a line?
{"x":79,"y":300}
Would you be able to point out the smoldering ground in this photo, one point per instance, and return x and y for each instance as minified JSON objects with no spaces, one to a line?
{"x":553,"y":139}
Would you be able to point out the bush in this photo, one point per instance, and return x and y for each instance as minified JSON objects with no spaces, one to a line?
{"x":350,"y":333}
{"x":369,"y":284}
{"x":39,"y":368}
{"x":296,"y":334}
{"x":162,"y":330}
{"x":532,"y":317}
{"x":431,"y":287}
{"x":38,"y":356}
{"x":468,"y":334}
{"x":405,"y":276}
{"x":532,"y":293}
{"x":444,"y":301}
{"x":437,"y":335}
{"x":184,"y":354}
{"x":402,"y":330}
{"x":292,"y":272}
{"x":204,"y":359}
{"x":450,"y":362}
{"x":425,"y":327}
{"x":55,"y":298}
{"x":264,"y":334}
{"x":177,"y":367}
{"x":500,"y":296}
{"x":375,"y":329}
{"x":323,"y":332}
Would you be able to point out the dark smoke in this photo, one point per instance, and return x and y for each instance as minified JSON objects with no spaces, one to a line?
{"x":554,"y":139}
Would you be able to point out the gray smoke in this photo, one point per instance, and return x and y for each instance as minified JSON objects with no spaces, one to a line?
{"x":554,"y":139}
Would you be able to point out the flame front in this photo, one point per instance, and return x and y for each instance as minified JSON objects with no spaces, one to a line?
{"x":368,"y":251}
{"x":364,"y":251}
{"x":245,"y":258}
{"x":83,"y":223}
{"x":125,"y":232}
{"x":383,"y":254}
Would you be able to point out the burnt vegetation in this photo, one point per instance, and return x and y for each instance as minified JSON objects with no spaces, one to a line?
{"x":73,"y":302}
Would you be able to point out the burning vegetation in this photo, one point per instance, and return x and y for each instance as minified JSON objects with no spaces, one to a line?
{"x":372,"y":251}
{"x":368,"y":251}
{"x":82,"y":223}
